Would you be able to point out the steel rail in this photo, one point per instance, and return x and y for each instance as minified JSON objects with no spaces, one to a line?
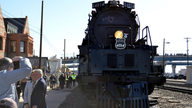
{"x":176,"y":89}
{"x":179,"y":85}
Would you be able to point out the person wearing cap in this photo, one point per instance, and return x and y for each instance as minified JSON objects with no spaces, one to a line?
{"x":8,"y":103}
{"x":8,"y":76}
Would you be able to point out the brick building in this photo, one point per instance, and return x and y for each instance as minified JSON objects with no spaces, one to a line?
{"x":2,"y":35}
{"x":15,"y":39}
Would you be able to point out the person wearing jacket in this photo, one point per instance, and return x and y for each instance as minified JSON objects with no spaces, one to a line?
{"x":8,"y":76}
{"x":39,"y":90}
{"x":73,"y":79}
{"x":61,"y":81}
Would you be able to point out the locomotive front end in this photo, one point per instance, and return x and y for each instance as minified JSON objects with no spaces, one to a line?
{"x":115,"y":63}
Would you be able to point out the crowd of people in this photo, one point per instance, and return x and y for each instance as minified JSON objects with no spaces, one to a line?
{"x":62,"y":81}
{"x":31,"y":83}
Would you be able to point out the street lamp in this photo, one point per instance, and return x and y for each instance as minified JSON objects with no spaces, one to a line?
{"x":187,"y":51}
{"x":164,"y":55}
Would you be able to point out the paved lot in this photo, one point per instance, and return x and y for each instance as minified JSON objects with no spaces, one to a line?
{"x":54,"y":97}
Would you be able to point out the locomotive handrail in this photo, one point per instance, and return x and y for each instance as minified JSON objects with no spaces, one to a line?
{"x":131,"y":36}
{"x":143,"y":30}
{"x":95,"y":41}
{"x":151,"y":43}
{"x":137,"y":17}
{"x":147,"y":29}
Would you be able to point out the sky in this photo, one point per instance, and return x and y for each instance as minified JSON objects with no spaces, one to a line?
{"x":67,"y":19}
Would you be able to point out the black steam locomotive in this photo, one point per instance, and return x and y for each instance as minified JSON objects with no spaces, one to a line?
{"x":116,"y":64}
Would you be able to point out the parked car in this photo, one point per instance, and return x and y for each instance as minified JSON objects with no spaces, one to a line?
{"x":184,"y":77}
{"x":181,"y":76}
{"x":173,"y":76}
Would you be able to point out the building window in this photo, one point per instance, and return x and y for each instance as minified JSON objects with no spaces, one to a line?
{"x":11,"y":28}
{"x":1,"y":43}
{"x":30,"y":48}
{"x":13,"y":46}
{"x":22,"y":46}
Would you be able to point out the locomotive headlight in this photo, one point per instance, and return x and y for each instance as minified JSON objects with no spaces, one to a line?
{"x":118,"y":34}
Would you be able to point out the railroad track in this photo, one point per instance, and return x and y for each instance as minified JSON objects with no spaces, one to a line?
{"x":176,"y":81}
{"x":176,"y":89}
{"x":179,"y":85}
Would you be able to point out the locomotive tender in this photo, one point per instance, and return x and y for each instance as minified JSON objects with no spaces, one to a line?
{"x":115,"y":64}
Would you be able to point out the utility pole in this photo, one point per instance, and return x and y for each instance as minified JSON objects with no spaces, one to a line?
{"x":34,"y":53}
{"x":41,"y":36}
{"x":164,"y":55}
{"x":64,"y":55}
{"x":73,"y":60}
{"x":187,"y":50}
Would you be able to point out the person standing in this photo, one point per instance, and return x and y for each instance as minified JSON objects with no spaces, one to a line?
{"x":67,"y":81}
{"x":45,"y":77}
{"x":70,"y":82}
{"x":39,"y":88}
{"x":61,"y":81}
{"x":52,"y":81}
{"x":56,"y":80}
{"x":8,"y":76}
{"x":27,"y":93}
{"x":73,"y":79}
{"x":22,"y":86}
{"x":18,"y":88}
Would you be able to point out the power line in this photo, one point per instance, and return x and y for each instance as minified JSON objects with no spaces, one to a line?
{"x":14,"y":17}
{"x":31,"y":29}
{"x":46,"y":40}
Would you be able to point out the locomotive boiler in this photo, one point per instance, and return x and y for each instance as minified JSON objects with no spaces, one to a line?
{"x":115,"y":63}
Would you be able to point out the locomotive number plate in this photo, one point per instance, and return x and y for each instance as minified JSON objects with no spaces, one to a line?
{"x":120,"y":43}
{"x":129,"y":5}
